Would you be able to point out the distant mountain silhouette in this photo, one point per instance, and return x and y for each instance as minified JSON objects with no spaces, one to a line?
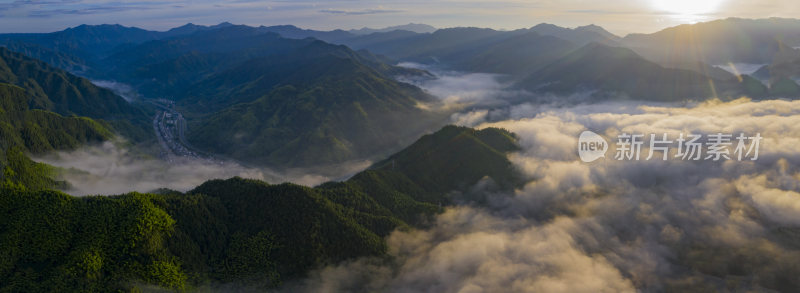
{"x":580,"y":35}
{"x":621,"y":72}
{"x":411,"y":27}
{"x":733,"y":40}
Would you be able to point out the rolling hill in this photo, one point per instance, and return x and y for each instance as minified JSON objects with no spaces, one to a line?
{"x":46,"y":109}
{"x":61,"y":92}
{"x":234,"y":233}
{"x":26,"y":131}
{"x":331,"y":109}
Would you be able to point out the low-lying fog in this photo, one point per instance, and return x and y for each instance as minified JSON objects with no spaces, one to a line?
{"x":110,"y":169}
{"x":606,"y":226}
{"x":123,"y":90}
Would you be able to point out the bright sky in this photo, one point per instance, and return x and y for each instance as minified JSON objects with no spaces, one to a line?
{"x":618,"y":16}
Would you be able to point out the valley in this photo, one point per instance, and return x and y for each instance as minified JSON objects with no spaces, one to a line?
{"x":170,"y":130}
{"x":255,"y":158}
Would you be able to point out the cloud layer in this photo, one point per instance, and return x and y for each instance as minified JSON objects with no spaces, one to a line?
{"x":109,"y":169}
{"x":612,"y":226}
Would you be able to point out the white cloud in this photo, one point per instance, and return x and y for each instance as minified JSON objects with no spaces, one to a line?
{"x":110,"y":169}
{"x":611,"y":226}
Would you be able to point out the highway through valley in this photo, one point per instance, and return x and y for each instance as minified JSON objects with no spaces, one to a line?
{"x":170,"y":128}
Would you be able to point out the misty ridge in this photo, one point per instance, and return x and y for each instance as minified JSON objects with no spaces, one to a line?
{"x":396,"y":161}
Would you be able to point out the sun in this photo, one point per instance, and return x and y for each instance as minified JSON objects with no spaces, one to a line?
{"x":687,"y":7}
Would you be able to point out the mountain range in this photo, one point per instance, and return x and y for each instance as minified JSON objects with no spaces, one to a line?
{"x":734,"y":40}
{"x":634,"y":77}
{"x":257,"y":97}
{"x":521,"y":53}
{"x":419,"y":28}
{"x":282,"y":96}
{"x":289,"y":97}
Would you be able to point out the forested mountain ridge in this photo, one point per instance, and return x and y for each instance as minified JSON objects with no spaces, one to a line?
{"x":340,"y":109}
{"x":34,"y":131}
{"x":59,"y":91}
{"x":255,"y":234}
{"x":56,"y":90}
{"x":47,"y":109}
{"x":260,"y":98}
{"x":217,"y":62}
{"x":355,"y":109}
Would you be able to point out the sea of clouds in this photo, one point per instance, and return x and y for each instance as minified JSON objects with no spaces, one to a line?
{"x":610,"y":225}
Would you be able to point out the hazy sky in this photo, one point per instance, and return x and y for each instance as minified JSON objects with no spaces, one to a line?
{"x":618,"y":16}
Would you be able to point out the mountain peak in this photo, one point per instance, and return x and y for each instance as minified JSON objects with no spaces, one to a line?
{"x":580,"y":35}
{"x":188,"y":26}
{"x":591,"y":28}
{"x":432,"y":156}
{"x":546,"y":27}
{"x":597,"y":29}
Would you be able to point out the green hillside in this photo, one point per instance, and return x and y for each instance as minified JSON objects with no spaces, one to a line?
{"x":54,"y":242}
{"x":24,"y":130}
{"x":254,"y":96}
{"x":246,"y":233}
{"x":58,"y":91}
{"x":307,"y":229}
{"x":46,"y":109}
{"x":308,"y":108}
{"x":412,"y":183}
{"x":446,"y":150}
